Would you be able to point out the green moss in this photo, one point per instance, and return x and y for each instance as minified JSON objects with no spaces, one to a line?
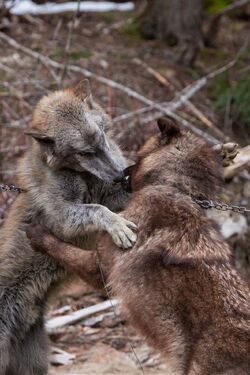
{"x":2,"y":75}
{"x":74,"y":55}
{"x":53,"y":85}
{"x":118,"y":55}
{"x":131,"y":29}
{"x":3,"y":88}
{"x":193,"y":73}
{"x":108,"y":17}
{"x":79,"y":54}
{"x":243,"y":58}
{"x":221,"y":92}
{"x":241,"y":94}
{"x":214,"y":6}
{"x":213,"y":53}
{"x":238,"y":92}
{"x":57,"y":54}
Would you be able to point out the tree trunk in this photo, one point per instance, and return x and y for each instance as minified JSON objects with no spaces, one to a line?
{"x":178,"y":22}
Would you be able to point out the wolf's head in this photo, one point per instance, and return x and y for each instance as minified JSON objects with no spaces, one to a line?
{"x":178,"y":158}
{"x":71,"y":131}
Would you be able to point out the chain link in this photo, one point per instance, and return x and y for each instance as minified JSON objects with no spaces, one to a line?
{"x":203,"y":203}
{"x":11,"y":188}
{"x":207,"y":204}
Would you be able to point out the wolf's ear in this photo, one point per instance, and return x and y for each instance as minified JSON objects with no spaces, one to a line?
{"x":83,"y":92}
{"x":41,"y":138}
{"x":168,"y":128}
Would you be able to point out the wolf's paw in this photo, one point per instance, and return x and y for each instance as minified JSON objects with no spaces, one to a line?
{"x":228,"y":152}
{"x":122,"y":232}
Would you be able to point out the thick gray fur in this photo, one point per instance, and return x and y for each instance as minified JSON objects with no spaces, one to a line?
{"x":68,"y":174}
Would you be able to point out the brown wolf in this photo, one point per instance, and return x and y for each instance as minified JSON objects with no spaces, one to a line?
{"x":178,"y":284}
{"x":67,"y":175}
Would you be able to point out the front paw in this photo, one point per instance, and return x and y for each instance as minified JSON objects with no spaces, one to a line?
{"x":122,"y":232}
{"x":228,"y":152}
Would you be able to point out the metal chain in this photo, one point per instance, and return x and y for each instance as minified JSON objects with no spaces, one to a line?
{"x":11,"y":188}
{"x":207,"y":204}
{"x":204,"y":203}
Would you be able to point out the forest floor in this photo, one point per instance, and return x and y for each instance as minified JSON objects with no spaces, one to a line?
{"x":108,"y":45}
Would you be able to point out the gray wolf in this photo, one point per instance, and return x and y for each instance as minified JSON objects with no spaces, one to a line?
{"x":68,"y":175}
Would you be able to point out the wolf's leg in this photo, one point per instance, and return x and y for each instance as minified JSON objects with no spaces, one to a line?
{"x":31,"y":356}
{"x":82,"y":262}
{"x":76,"y":219}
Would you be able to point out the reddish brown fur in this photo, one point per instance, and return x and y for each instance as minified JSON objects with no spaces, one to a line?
{"x":177,"y":285}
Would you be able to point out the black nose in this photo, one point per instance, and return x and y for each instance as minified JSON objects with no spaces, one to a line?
{"x":126,"y":183}
{"x":127,"y":171}
{"x":119,"y":177}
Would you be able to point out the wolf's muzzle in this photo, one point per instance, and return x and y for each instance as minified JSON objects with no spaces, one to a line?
{"x":119,"y":178}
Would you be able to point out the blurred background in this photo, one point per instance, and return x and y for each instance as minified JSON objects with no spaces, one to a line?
{"x":188,"y":58}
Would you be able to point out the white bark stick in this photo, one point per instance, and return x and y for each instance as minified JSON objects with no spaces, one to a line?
{"x":58,"y":322}
{"x":187,"y":92}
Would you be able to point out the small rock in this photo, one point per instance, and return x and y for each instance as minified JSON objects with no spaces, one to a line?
{"x":104,"y":64}
{"x":229,"y":223}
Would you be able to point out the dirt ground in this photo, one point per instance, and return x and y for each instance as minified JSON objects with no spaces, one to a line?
{"x":109,"y":346}
{"x":106,"y":44}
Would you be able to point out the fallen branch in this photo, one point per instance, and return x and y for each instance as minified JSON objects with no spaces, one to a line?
{"x":186,"y":93}
{"x":60,"y":357}
{"x":90,"y":322}
{"x":183,"y":95}
{"x":160,"y":78}
{"x":171,"y":106}
{"x":74,"y":68}
{"x":215,"y":20}
{"x":61,"y":310}
{"x":72,"y":27}
{"x":70,"y":6}
{"x":169,"y":109}
{"x":152,"y":116}
{"x":230,"y":8}
{"x":18,"y":124}
{"x":61,"y":321}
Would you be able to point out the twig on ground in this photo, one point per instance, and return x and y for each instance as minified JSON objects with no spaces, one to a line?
{"x":18,"y":124}
{"x":215,"y":20}
{"x":58,"y":322}
{"x":7,"y":68}
{"x":231,"y":7}
{"x":183,"y":95}
{"x":90,"y":322}
{"x":46,"y":61}
{"x":186,"y":93}
{"x":25,"y":78}
{"x":13,"y":150}
{"x":160,"y":78}
{"x":61,"y":310}
{"x":10,"y":111}
{"x":60,"y":357}
{"x":72,"y":26}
